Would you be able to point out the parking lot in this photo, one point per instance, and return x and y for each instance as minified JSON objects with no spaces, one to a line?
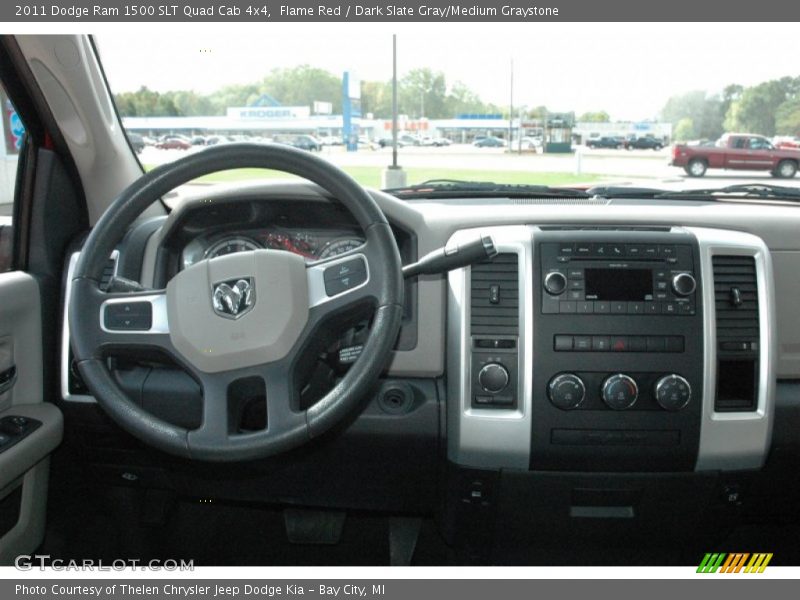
{"x":632,"y":167}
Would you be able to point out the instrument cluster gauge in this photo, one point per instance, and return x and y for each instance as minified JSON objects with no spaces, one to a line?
{"x":231,"y":245}
{"x":340,"y":246}
{"x":301,"y":243}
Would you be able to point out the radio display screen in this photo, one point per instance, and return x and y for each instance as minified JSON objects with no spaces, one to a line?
{"x":632,"y":285}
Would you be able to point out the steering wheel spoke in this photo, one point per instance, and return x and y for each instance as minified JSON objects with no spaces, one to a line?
{"x":343,"y":282}
{"x":113,"y":322}
{"x":220,"y":427}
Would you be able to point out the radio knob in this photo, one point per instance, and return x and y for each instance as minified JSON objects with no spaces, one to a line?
{"x":620,"y":391}
{"x":493,"y":378}
{"x":555,"y":283}
{"x":683,"y":284}
{"x":673,"y":392}
{"x":566,"y":391}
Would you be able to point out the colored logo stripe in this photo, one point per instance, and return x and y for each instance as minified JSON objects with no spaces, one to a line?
{"x":758,"y":563}
{"x":710,"y":563}
{"x":734,"y":562}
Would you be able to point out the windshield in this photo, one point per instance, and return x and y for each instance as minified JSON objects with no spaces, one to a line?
{"x":492,"y":103}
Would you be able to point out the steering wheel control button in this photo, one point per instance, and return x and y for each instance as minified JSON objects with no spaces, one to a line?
{"x":566,"y":391}
{"x":555,"y":283}
{"x":344,"y":276}
{"x":344,"y":269}
{"x":673,"y":392}
{"x":128,"y":316}
{"x":493,"y":378}
{"x":620,"y":392}
{"x":684,"y":284}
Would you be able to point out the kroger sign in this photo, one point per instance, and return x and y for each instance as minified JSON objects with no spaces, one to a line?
{"x":268,"y":112}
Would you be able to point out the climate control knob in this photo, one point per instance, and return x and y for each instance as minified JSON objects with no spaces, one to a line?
{"x":683,"y":284}
{"x":672,"y":392}
{"x":555,"y":283}
{"x":620,"y":391}
{"x":493,"y":378}
{"x":566,"y":391}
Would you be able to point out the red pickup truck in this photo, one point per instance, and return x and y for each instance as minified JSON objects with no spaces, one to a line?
{"x":736,"y":151}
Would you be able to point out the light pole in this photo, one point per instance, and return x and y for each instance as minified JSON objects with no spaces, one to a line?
{"x":511,"y":107}
{"x":394,"y":176}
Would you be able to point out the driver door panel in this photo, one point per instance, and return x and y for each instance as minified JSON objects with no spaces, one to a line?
{"x":24,"y":464}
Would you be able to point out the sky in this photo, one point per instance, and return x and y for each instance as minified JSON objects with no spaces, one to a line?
{"x":626,"y":69}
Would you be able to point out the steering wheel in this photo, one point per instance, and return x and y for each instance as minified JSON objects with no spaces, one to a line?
{"x":239,"y":318}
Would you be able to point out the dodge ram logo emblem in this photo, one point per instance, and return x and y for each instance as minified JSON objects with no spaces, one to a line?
{"x":234,"y":298}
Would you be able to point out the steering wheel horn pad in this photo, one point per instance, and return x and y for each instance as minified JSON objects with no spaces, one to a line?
{"x":244,"y":315}
{"x":265,"y":331}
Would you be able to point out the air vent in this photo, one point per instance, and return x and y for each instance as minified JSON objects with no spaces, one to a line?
{"x":736,"y":302}
{"x":109,"y":271}
{"x":495,"y":296}
{"x":736,"y":298}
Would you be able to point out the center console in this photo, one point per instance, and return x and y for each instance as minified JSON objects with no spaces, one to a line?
{"x":618,"y":350}
{"x":611,"y":349}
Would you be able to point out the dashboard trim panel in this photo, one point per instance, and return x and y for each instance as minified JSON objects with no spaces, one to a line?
{"x":736,"y":440}
{"x":481,"y":437}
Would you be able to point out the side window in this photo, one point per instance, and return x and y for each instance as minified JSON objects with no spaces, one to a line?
{"x":759,"y":144}
{"x":13,"y":131}
{"x":740,"y":142}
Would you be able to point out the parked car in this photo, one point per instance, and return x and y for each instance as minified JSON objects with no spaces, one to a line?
{"x":737,"y":151}
{"x":644,"y":143}
{"x":435,"y":141}
{"x":489,"y":142}
{"x":174,"y":143}
{"x":404,"y":139}
{"x":306,"y":142}
{"x":197,"y":140}
{"x":136,"y":141}
{"x":791,"y":143}
{"x":605,"y":142}
{"x":331,"y":140}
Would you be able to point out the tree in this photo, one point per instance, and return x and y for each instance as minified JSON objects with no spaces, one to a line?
{"x":755,"y":111}
{"x":376,"y":98}
{"x":703,"y":110}
{"x":595,"y":117}
{"x":462,"y":100}
{"x":787,"y":118}
{"x":684,"y":130}
{"x":422,"y":94}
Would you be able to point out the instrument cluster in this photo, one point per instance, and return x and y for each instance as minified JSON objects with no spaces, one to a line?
{"x":312,"y":245}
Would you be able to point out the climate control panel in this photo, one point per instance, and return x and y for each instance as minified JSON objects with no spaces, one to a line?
{"x":619,"y":391}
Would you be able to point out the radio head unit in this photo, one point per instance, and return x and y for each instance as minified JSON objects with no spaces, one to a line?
{"x":617,"y":278}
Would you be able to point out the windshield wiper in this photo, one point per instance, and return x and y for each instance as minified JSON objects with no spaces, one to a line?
{"x":763,"y":191}
{"x":453,"y":188}
{"x":749,"y":191}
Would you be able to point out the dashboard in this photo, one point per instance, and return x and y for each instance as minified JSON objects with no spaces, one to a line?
{"x":598,"y":366}
{"x":616,"y":357}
